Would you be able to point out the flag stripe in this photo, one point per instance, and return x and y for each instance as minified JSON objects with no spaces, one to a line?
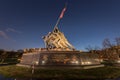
{"x":62,"y":13}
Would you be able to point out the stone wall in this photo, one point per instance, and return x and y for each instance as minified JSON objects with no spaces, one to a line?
{"x":60,"y":58}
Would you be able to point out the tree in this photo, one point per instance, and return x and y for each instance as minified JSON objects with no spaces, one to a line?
{"x":117,"y":40}
{"x":107,"y":43}
{"x":92,"y":49}
{"x":117,"y":47}
{"x":1,"y":51}
{"x":109,"y":50}
{"x":3,"y":56}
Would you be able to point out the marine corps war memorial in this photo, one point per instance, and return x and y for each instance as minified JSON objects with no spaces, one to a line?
{"x":59,"y":52}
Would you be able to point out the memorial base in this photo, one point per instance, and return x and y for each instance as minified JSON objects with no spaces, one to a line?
{"x":61,"y":59}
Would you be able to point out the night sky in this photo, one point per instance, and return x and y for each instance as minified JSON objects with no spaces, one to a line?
{"x":85,"y":22}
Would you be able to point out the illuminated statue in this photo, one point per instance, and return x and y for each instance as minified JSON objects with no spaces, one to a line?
{"x":56,"y":40}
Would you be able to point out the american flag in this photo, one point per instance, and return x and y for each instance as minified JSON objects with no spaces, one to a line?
{"x":62,"y":13}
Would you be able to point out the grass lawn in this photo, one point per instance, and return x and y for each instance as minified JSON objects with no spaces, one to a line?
{"x":96,"y":73}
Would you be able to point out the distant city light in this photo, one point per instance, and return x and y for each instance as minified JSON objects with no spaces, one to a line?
{"x":74,"y":62}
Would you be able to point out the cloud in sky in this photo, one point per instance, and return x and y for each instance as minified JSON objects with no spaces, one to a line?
{"x":4,"y":35}
{"x":12,"y":30}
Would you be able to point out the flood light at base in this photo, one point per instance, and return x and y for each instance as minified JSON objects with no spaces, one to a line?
{"x":75,"y":62}
{"x":43,"y":62}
